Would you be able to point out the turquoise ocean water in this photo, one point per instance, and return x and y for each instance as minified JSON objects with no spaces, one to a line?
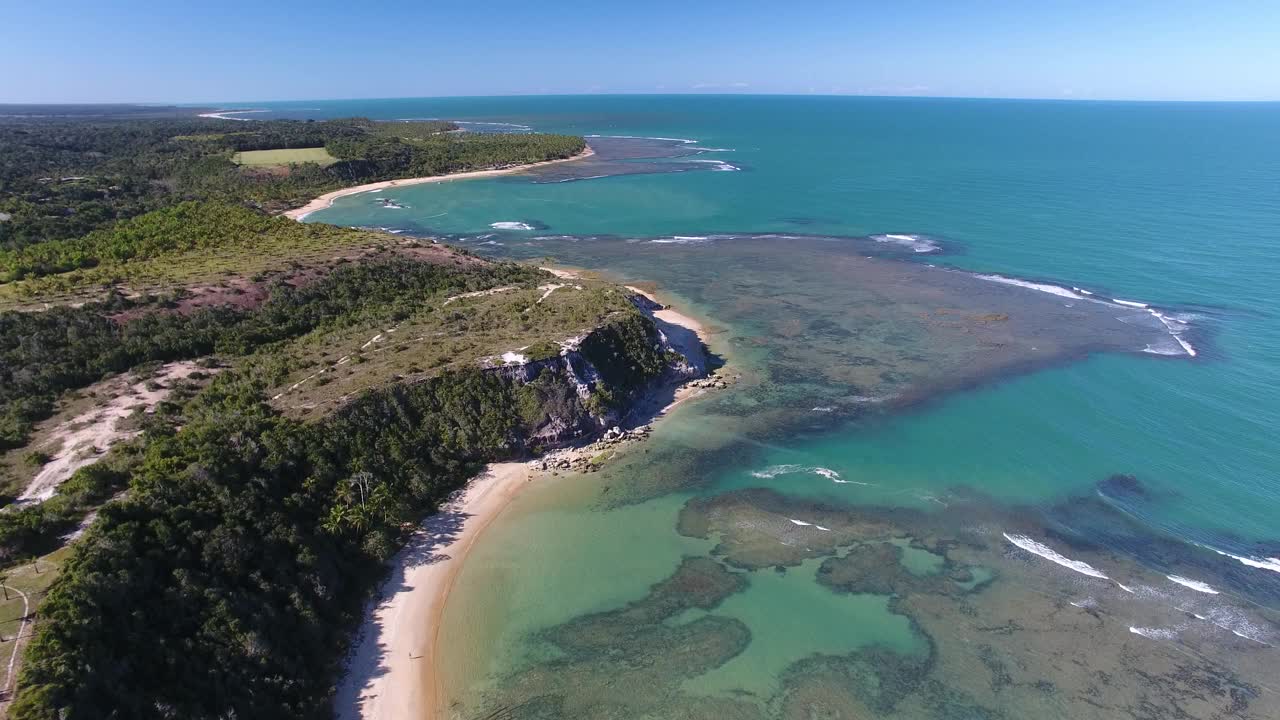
{"x":1176,"y":205}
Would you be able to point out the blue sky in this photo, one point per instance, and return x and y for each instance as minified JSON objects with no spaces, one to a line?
{"x":233,"y":50}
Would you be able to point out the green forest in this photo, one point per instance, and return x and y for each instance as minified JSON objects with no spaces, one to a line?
{"x":61,"y":179}
{"x":235,"y":545}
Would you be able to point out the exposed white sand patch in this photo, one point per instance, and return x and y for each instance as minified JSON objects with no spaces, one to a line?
{"x":481,"y":293}
{"x":547,"y":290}
{"x":81,"y":440}
{"x":80,"y":530}
{"x":668,"y":314}
{"x":562,"y":274}
{"x":325,"y":201}
{"x":9,"y":678}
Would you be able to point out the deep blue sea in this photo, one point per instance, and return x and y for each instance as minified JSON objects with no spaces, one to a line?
{"x":1139,"y":462}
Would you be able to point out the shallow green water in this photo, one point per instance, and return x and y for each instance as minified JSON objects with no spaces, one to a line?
{"x":1169,"y":204}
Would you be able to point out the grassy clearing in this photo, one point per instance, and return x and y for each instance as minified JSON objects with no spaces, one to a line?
{"x":34,"y":579}
{"x":298,"y":156}
{"x":239,"y":255}
{"x":321,"y":370}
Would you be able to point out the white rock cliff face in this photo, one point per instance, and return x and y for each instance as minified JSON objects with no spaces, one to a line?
{"x":685,"y":355}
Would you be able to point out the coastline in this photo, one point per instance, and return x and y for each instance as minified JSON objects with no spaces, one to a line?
{"x":391,"y":669}
{"x":326,"y":200}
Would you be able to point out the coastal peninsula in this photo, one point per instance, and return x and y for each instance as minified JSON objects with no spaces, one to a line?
{"x":275,"y":406}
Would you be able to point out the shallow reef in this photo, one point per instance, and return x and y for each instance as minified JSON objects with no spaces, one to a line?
{"x":1002,"y":631}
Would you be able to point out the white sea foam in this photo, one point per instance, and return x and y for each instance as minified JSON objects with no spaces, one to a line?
{"x":1193,"y":584}
{"x":1042,"y":287}
{"x":1154,"y":633}
{"x":686,"y":141}
{"x":1175,"y":328}
{"x":1173,"y":324}
{"x":226,"y":114}
{"x":915,"y":242}
{"x":872,"y":399}
{"x":1123,"y":587}
{"x":1270,"y":563}
{"x":1052,"y":555}
{"x":517,"y":126}
{"x":511,"y":225}
{"x":1232,"y":620}
{"x":775,"y":471}
{"x":828,"y":473}
{"x":823,"y":409}
{"x":720,"y":165}
{"x":681,"y":240}
{"x":802,"y":523}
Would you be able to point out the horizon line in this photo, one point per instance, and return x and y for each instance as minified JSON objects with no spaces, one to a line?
{"x":1063,"y":99}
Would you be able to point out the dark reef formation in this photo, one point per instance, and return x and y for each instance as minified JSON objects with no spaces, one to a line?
{"x":1003,"y":633}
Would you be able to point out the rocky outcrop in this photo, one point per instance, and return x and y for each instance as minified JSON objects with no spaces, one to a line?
{"x":598,"y":378}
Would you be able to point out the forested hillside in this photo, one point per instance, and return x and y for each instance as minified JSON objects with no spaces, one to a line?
{"x":62,"y":178}
{"x":225,"y":535}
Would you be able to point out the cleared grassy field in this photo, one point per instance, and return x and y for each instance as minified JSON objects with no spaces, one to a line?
{"x":297,"y":156}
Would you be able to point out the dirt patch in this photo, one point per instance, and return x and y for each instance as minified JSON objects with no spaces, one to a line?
{"x":75,"y":442}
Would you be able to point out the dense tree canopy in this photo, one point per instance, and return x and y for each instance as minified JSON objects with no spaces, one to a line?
{"x":225,"y":581}
{"x":63,"y":178}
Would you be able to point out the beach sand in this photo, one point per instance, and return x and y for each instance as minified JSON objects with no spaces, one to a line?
{"x":391,"y":668}
{"x":385,"y":675}
{"x":672,"y":316}
{"x":325,"y":201}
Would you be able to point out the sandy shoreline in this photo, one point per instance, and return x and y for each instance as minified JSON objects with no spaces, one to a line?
{"x":384,"y":679}
{"x":391,"y":668}
{"x":325,"y":201}
{"x":671,"y":315}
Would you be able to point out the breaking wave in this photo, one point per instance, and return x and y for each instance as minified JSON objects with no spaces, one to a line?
{"x":917,"y":243}
{"x":1154,"y":633}
{"x":1269,"y":563}
{"x":1193,"y":584}
{"x":1052,"y":555}
{"x":776,"y":470}
{"x":1175,"y":325}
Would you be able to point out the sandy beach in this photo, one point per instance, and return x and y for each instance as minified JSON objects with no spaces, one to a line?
{"x":326,"y":200}
{"x":390,"y":672}
{"x":673,"y":316}
{"x":385,"y":678}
